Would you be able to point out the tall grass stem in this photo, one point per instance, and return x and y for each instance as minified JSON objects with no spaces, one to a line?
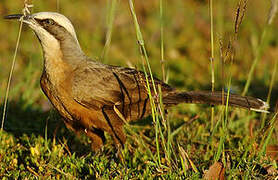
{"x":110,"y":21}
{"x":145,"y":60}
{"x":10,"y":76}
{"x":58,"y":5}
{"x":162,"y":40}
{"x":255,"y":62}
{"x":212,"y":58}
{"x":270,"y":90}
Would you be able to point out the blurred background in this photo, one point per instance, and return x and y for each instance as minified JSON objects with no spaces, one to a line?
{"x":186,"y":38}
{"x":187,"y":42}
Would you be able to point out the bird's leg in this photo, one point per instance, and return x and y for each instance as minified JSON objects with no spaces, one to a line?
{"x":97,"y":137}
{"x":73,"y":127}
{"x":58,"y":125}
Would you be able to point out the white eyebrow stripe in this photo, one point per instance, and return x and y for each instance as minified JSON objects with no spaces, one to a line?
{"x":58,"y":18}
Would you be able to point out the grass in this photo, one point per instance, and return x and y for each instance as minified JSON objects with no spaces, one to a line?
{"x":10,"y":77}
{"x":175,"y":44}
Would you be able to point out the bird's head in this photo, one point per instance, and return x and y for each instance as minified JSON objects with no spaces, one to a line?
{"x":54,"y":30}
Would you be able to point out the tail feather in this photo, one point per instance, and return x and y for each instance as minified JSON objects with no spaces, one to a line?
{"x":215,"y":98}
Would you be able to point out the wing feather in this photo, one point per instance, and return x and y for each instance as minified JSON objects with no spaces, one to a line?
{"x":97,"y":85}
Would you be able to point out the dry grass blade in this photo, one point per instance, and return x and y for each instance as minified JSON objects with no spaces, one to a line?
{"x":25,"y":12}
{"x":33,"y":172}
{"x":121,"y":116}
{"x":67,"y":175}
{"x":10,"y":78}
{"x":186,"y":158}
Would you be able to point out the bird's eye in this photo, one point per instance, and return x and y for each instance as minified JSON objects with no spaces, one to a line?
{"x":48,"y":21}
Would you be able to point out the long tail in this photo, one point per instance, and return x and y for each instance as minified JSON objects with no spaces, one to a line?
{"x":215,"y":98}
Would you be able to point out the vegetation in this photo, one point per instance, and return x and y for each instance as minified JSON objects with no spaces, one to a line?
{"x":240,"y":50}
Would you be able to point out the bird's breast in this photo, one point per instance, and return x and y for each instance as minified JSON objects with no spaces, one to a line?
{"x":55,"y":95}
{"x":56,"y":82}
{"x":57,"y":70}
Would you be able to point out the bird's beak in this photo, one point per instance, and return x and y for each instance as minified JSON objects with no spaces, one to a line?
{"x":28,"y":19}
{"x":13,"y":16}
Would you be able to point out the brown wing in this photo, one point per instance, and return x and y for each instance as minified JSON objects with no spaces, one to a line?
{"x":97,"y":86}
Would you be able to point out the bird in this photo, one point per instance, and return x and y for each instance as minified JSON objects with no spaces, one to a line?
{"x":93,"y":97}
